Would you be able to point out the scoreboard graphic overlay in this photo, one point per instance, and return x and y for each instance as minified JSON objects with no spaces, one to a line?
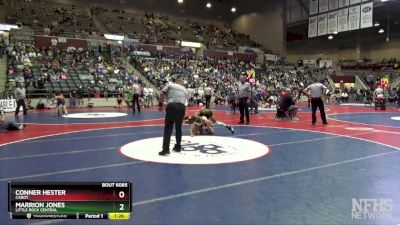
{"x":72,"y":200}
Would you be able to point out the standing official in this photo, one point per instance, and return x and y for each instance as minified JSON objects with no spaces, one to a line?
{"x":135,"y":97}
{"x":231,"y":92}
{"x":150,"y":98}
{"x":20,"y":96}
{"x":177,"y":96}
{"x":145,"y":94}
{"x":244,"y":94}
{"x":316,"y":91}
{"x":208,"y":92}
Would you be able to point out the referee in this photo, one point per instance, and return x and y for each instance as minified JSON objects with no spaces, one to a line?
{"x":135,"y":96}
{"x":208,"y":92}
{"x":20,"y":95}
{"x":244,"y":94}
{"x":177,"y":96}
{"x":317,"y":90}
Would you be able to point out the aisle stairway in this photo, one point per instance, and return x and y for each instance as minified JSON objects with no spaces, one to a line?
{"x":137,"y":73}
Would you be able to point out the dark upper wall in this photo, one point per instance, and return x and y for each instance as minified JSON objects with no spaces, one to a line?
{"x":220,"y":10}
{"x":261,"y":19}
{"x":266,"y":27}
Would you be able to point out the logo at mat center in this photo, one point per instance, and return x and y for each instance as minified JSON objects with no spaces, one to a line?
{"x":197,"y":150}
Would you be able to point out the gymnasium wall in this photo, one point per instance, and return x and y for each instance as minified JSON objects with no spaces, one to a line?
{"x":267,"y":27}
{"x":112,"y":5}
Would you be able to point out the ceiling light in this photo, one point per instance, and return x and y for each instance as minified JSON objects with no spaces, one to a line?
{"x":180,"y":1}
{"x":208,"y":5}
{"x":381,"y":31}
{"x":330,"y":37}
{"x":377,"y":24}
{"x":335,"y":32}
{"x":233,"y":9}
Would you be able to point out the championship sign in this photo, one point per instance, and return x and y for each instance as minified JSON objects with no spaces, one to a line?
{"x":8,"y":105}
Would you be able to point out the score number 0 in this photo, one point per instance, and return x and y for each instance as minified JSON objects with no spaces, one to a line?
{"x":121,"y":194}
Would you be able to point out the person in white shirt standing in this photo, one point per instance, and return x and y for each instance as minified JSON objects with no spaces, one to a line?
{"x":20,"y":96}
{"x":176,"y":95}
{"x":244,"y":94}
{"x":135,"y":96}
{"x":145,"y":96}
{"x":208,"y":92}
{"x":150,"y":98}
{"x":317,"y":91}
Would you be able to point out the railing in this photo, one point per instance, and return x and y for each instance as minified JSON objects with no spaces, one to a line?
{"x":331,"y":83}
{"x":396,"y":82}
{"x":144,"y":79}
{"x":361,"y":83}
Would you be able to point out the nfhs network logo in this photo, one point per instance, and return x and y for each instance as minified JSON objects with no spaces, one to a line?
{"x":371,"y":208}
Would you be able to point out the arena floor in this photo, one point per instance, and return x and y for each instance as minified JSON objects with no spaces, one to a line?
{"x":303,"y":174}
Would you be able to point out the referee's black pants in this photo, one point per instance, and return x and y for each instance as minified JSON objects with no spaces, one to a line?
{"x":175,"y":112}
{"x":318,"y":103}
{"x":135,"y":102}
{"x":20,"y":103}
{"x":208,"y":101}
{"x":244,"y":109}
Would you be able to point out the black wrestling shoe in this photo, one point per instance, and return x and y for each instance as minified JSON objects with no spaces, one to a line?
{"x":177,"y":148}
{"x":164,"y":153}
{"x":231,"y":129}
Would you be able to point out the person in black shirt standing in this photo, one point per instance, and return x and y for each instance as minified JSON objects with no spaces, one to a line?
{"x":398,"y":97}
{"x":80,"y":95}
{"x":73,"y":96}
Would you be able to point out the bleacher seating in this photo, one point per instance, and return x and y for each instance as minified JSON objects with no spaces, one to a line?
{"x":161,"y":29}
{"x":368,"y":64}
{"x":223,"y":74}
{"x":55,"y":19}
{"x":52,"y":19}
{"x":43,"y":72}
